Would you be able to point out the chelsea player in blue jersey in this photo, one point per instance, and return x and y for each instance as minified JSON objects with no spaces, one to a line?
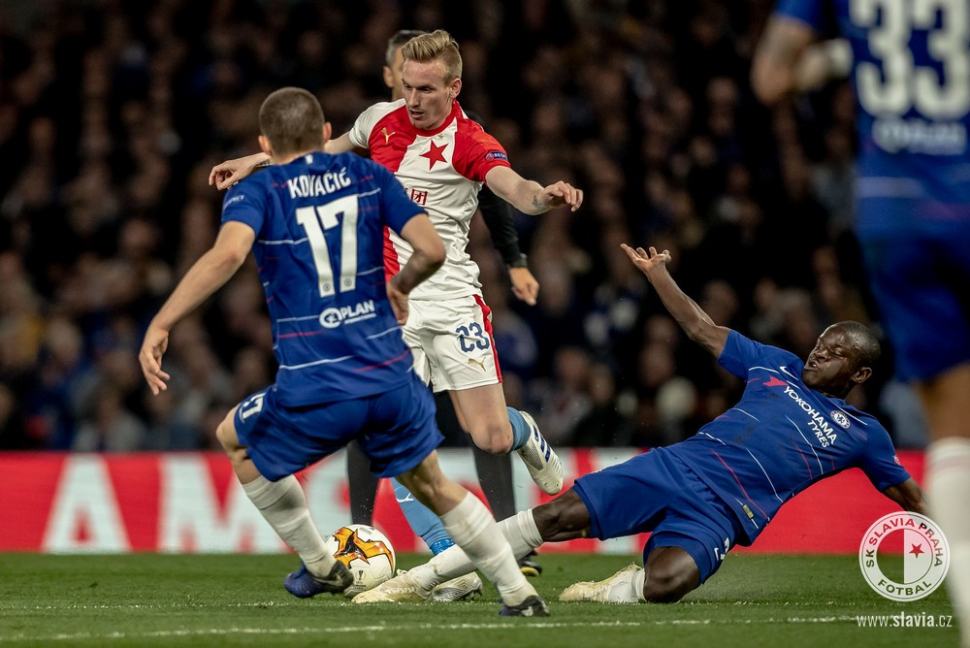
{"x":911,"y":75}
{"x":315,"y":224}
{"x":722,"y":486}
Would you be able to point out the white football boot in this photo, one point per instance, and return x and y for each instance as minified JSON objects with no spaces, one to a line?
{"x":463,"y":588}
{"x":400,"y":589}
{"x":599,"y":591}
{"x":541,"y":460}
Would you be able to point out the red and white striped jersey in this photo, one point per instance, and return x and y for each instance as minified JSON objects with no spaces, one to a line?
{"x":442,"y":170}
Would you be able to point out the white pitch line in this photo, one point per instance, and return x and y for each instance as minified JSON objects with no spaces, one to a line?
{"x":167,"y":606}
{"x":266,"y":604}
{"x":511,"y":625}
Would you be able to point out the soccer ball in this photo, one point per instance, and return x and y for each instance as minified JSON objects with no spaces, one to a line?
{"x":366,"y":552}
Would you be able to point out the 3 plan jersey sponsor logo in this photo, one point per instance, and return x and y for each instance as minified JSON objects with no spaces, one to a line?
{"x":336,"y":316}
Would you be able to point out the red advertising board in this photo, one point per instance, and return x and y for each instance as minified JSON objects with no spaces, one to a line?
{"x":190,"y":502}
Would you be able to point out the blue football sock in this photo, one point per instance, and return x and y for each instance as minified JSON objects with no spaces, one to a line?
{"x":441,"y":545}
{"x":520,"y":429}
{"x":422,"y":520}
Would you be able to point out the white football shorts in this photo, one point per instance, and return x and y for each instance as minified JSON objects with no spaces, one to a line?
{"x":452,"y":343}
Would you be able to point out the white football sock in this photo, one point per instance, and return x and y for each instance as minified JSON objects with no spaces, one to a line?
{"x":522,"y":533}
{"x":627,"y":587}
{"x":520,"y":530}
{"x":638,"y":585}
{"x":473,"y":529}
{"x":283,"y":504}
{"x":948,"y":491}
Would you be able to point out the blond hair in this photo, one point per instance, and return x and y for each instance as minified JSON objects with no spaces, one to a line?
{"x":436,"y":46}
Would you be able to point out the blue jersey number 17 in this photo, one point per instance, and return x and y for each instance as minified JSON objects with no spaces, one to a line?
{"x":323,"y":217}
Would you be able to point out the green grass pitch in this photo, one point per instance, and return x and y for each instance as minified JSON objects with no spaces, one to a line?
{"x":153,"y":600}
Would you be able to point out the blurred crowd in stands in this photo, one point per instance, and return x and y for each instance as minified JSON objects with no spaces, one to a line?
{"x":113,"y":111}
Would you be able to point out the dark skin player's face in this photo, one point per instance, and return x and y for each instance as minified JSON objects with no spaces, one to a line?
{"x":833,"y":365}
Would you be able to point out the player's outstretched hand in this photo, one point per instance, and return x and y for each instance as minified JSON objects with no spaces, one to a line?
{"x":524,"y":285}
{"x":399,"y":302}
{"x":562,"y":193}
{"x":645,"y":261}
{"x":150,"y":357}
{"x":232,"y":171}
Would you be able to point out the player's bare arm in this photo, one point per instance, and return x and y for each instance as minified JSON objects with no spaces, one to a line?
{"x":822,"y":62}
{"x":498,"y":218}
{"x":696,"y":323}
{"x":774,"y":71}
{"x":342,"y":144}
{"x":908,"y":495}
{"x":228,"y":173}
{"x":530,"y":197}
{"x":207,"y":275}
{"x":524,"y":285}
{"x":428,"y":256}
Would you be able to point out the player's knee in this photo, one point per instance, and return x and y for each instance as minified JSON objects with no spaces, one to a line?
{"x":499,"y":446}
{"x":226,"y":433}
{"x":494,"y":438}
{"x":666,"y":584}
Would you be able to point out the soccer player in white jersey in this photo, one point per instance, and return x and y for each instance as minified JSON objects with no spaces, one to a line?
{"x":494,"y":471}
{"x":442,"y":158}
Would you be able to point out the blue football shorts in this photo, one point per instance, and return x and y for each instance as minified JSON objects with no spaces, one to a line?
{"x":921,"y":282}
{"x":657,"y":492}
{"x":396,"y":429}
